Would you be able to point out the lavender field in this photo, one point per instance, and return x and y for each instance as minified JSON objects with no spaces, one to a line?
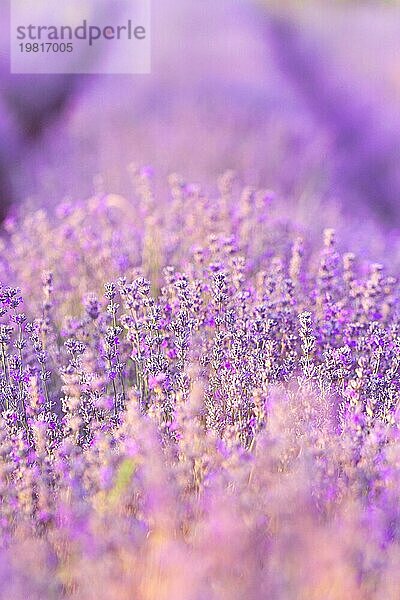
{"x":200,"y":328}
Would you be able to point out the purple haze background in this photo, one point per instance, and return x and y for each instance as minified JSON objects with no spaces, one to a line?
{"x":233,"y":86}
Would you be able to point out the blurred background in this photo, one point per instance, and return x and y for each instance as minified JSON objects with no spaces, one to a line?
{"x":298,"y":97}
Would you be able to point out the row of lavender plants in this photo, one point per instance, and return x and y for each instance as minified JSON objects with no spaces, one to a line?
{"x":196,"y":403}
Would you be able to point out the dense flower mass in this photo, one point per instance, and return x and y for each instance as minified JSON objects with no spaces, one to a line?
{"x":197,"y":403}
